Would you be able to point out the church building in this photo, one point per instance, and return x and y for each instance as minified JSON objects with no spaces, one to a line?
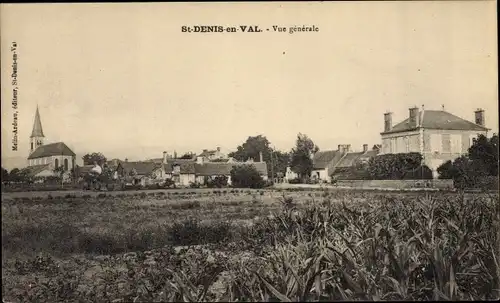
{"x":43,"y":158}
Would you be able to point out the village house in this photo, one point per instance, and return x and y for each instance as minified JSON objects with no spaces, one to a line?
{"x":348,"y":163}
{"x":181,"y":171}
{"x":142,"y":173}
{"x":212,"y":155}
{"x":209,"y":170}
{"x":436,"y":134}
{"x":114,"y":165}
{"x":43,"y":158}
{"x":184,"y":172}
{"x":337,"y":162}
{"x":324,"y":162}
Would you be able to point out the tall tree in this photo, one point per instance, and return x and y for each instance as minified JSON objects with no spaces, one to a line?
{"x":301,"y":158}
{"x":280,"y":161}
{"x":90,"y":158}
{"x":484,"y":151}
{"x":276,"y":161}
{"x":251,"y":149}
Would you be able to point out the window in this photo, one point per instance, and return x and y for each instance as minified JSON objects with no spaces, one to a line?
{"x":393,"y":146}
{"x":386,"y":146}
{"x":427,"y":142}
{"x":65,"y":164}
{"x":435,"y":143}
{"x":31,"y":145}
{"x":456,"y":144}
{"x":446,"y":143}
{"x":407,"y":144}
{"x":56,"y":163}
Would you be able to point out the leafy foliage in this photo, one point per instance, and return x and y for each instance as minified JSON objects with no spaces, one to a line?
{"x":394,"y":166}
{"x":276,"y":161}
{"x":5,"y":175}
{"x":472,"y":171}
{"x":246,"y":176}
{"x":301,"y":157}
{"x":90,"y":158}
{"x":217,"y":182}
{"x":485,"y":151}
{"x":347,"y":246}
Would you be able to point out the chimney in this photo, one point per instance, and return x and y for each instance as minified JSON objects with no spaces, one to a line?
{"x":365,"y":148}
{"x":339,"y":147}
{"x":164,"y":157}
{"x":479,"y":113}
{"x":218,"y":148}
{"x":126,"y":159}
{"x":348,"y":148}
{"x":261,"y":158}
{"x":199,"y":160}
{"x":387,"y":121}
{"x":414,"y":117}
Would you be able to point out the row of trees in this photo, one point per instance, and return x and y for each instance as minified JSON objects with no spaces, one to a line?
{"x":299,"y":158}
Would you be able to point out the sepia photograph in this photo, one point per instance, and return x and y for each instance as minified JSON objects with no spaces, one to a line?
{"x":250,"y":151}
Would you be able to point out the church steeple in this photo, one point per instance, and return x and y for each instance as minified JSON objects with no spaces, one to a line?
{"x":36,"y":138}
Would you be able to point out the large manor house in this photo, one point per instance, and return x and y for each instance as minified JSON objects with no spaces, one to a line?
{"x":436,"y":134}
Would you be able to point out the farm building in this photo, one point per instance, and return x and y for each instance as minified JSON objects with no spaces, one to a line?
{"x":346,"y":167}
{"x":38,"y":172}
{"x":212,"y":155}
{"x":143,"y":173}
{"x":208,"y":170}
{"x":337,"y":162}
{"x":181,"y":171}
{"x":436,"y":134}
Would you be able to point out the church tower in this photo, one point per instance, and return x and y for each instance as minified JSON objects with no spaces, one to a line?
{"x":36,"y":138}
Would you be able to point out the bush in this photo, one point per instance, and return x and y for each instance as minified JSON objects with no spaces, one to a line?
{"x":295,"y":181}
{"x":194,"y":185}
{"x":393,"y":166}
{"x":246,"y":176}
{"x":465,"y":173}
{"x":217,"y":182}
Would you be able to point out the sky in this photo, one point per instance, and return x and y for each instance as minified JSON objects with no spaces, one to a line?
{"x":124,"y":80}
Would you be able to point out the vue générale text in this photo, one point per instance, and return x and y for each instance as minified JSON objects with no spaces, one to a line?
{"x":248,"y":29}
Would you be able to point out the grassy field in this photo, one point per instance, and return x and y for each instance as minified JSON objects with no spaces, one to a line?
{"x":250,"y":245}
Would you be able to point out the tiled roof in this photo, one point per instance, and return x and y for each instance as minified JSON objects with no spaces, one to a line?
{"x":114,"y":162}
{"x":156,"y":160}
{"x":53,"y":149}
{"x":186,"y":166}
{"x":222,"y":168}
{"x":36,"y":169}
{"x":349,"y":160}
{"x":142,"y":168}
{"x":437,"y":119}
{"x":370,"y":153}
{"x":37,"y":126}
{"x":323,"y":158}
{"x":207,"y":153}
